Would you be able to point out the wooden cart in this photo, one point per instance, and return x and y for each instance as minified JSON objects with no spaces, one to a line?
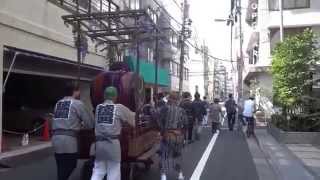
{"x":138,"y":144}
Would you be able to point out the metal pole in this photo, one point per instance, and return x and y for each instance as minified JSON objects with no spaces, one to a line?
{"x":182,"y":42}
{"x":225,"y":84}
{"x":9,"y":71}
{"x":240,"y":61}
{"x":281,"y":20}
{"x":79,"y":51}
{"x":214,"y":80}
{"x":156,"y":62}
{"x":231,"y":43}
{"x":137,"y":50}
{"x":138,"y":57}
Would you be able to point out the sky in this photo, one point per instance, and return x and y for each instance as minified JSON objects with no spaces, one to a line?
{"x":216,"y":35}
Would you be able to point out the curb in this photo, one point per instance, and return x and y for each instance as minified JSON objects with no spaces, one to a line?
{"x":268,"y":159}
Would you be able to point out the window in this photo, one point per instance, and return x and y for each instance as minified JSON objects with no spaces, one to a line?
{"x":186,"y":74}
{"x":173,"y":69}
{"x":150,"y":54}
{"x":134,"y":4}
{"x":254,"y":55}
{"x":289,"y":4}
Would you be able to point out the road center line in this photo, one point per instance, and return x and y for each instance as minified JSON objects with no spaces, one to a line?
{"x":203,"y":161}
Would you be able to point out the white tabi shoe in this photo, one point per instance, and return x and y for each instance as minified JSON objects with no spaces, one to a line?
{"x":180,"y":177}
{"x":163,"y":176}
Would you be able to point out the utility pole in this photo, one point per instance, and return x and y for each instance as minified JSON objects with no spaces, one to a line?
{"x":205,"y":68}
{"x":182,"y":44}
{"x":281,"y":20}
{"x":214,"y":78}
{"x":240,"y":60}
{"x":225,"y":84}
{"x":156,"y":57}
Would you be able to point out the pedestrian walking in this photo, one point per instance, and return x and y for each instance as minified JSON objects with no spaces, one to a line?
{"x":215,"y":115}
{"x":199,"y":112}
{"x":172,"y":123}
{"x":231,"y":108}
{"x":186,"y":104}
{"x":248,"y":114}
{"x":70,"y":115}
{"x":109,"y":120}
{"x":206,"y":105}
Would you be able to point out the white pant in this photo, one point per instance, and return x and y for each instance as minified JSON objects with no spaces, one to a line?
{"x":102,"y":167}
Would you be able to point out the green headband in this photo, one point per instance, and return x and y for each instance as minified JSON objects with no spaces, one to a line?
{"x":110,"y":92}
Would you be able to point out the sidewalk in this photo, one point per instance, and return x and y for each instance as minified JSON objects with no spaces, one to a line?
{"x":309,"y":156}
{"x":285,"y":164}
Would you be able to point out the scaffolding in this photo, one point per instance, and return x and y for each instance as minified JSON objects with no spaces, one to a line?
{"x":108,"y":25}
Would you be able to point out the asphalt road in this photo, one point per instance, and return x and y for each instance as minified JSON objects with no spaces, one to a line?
{"x":230,"y":159}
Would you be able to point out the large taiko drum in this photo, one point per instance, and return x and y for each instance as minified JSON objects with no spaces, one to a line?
{"x":130,"y":86}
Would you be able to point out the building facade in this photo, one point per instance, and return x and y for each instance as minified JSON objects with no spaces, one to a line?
{"x":38,"y":54}
{"x":261,"y":33}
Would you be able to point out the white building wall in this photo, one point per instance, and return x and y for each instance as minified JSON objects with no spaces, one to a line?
{"x":297,"y":17}
{"x":292,"y":18}
{"x":36,"y":25}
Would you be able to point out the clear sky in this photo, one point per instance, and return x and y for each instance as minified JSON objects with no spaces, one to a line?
{"x":204,"y":28}
{"x":215,"y":34}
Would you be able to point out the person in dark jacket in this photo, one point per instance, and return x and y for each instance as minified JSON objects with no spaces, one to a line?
{"x":199,"y":112}
{"x":186,"y":104}
{"x":231,"y":108}
{"x":206,"y":105}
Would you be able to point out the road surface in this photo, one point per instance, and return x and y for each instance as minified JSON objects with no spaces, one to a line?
{"x":228,"y":159}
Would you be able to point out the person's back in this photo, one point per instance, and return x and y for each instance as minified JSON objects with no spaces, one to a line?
{"x":231,"y":109}
{"x":248,"y":108}
{"x":199,"y":109}
{"x":172,"y":132}
{"x":248,"y":112}
{"x":215,"y":112}
{"x":230,"y":105}
{"x":186,"y":104}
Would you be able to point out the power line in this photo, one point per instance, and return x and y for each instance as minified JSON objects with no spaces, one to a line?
{"x":176,"y":3}
{"x":211,"y":56}
{"x":192,"y":45}
{"x":164,"y":10}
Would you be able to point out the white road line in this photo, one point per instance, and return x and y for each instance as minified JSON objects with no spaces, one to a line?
{"x":202,"y":163}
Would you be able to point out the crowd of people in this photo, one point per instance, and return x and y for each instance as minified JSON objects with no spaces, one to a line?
{"x":179,"y":122}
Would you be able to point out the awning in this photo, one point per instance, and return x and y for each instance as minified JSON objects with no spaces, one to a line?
{"x":147,"y":71}
{"x":33,"y":63}
{"x":254,"y":41}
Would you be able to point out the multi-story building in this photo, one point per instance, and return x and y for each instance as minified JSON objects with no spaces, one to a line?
{"x":38,"y":55}
{"x":261,"y":33}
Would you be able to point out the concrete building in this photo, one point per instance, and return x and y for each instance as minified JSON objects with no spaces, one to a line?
{"x":38,"y":50}
{"x":45,"y":55}
{"x":261,"y":34}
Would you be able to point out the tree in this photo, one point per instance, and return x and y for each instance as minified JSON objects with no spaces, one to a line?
{"x":291,"y":62}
